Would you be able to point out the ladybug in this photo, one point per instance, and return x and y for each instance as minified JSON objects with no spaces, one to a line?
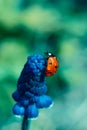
{"x":52,"y":64}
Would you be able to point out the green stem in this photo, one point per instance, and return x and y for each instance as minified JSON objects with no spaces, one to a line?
{"x":25,"y":123}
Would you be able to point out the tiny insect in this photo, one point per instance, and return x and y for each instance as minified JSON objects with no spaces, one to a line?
{"x":52,"y":64}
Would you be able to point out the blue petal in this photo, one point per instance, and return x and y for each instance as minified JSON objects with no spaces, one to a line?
{"x":18,"y":109}
{"x":44,"y":101}
{"x":31,"y":111}
{"x":24,"y":102}
{"x":16,"y":96}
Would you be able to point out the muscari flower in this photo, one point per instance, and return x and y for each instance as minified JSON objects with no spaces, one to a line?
{"x":31,"y":88}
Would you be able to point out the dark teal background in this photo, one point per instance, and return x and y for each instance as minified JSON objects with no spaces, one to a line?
{"x":60,"y":26}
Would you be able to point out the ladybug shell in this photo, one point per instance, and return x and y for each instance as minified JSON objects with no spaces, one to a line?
{"x":52,"y":65}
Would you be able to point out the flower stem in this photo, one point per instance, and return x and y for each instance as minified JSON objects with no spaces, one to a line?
{"x":25,"y":123}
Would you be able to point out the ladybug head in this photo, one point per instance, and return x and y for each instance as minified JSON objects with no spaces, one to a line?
{"x":49,"y":54}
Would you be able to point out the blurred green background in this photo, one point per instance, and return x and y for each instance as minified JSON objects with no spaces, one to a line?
{"x":59,"y":26}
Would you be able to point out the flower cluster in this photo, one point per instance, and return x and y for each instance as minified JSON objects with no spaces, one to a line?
{"x":31,"y":88}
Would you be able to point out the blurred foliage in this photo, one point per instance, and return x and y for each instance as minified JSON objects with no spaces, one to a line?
{"x":27,"y":27}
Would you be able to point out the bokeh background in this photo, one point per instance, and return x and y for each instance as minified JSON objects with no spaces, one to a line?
{"x":36,"y":26}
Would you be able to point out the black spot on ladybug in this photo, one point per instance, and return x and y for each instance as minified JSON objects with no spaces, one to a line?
{"x":50,"y":63}
{"x":56,"y":67}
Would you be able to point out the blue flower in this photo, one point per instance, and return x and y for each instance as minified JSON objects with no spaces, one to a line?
{"x":31,"y":88}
